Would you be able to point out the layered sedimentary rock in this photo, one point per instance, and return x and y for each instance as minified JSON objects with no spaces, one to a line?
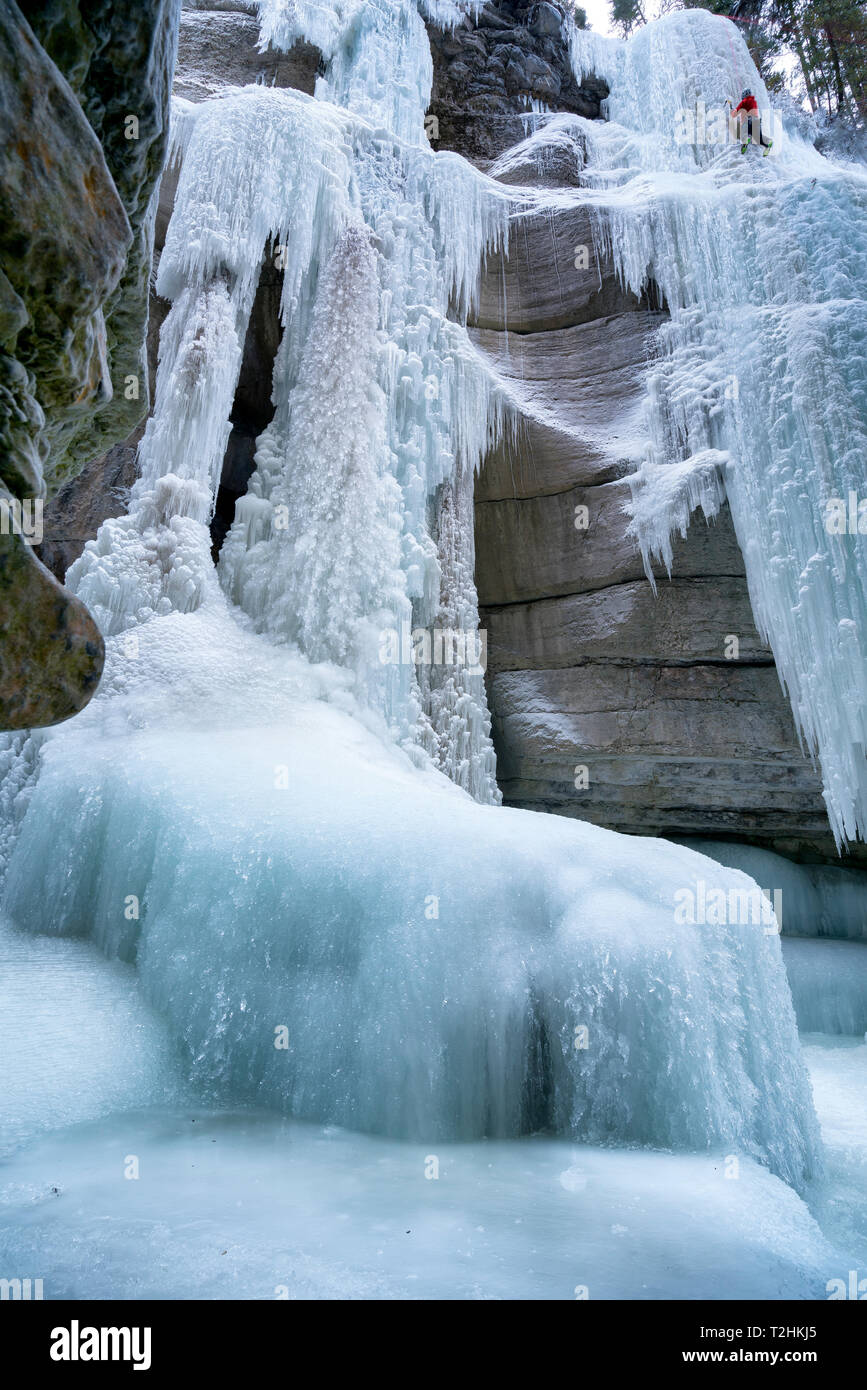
{"x":83,"y":127}
{"x":611,"y":703}
{"x":633,"y":710}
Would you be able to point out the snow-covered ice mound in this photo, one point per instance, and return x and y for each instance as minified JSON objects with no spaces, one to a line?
{"x":76,"y":1038}
{"x":238,"y":1204}
{"x":332,"y":931}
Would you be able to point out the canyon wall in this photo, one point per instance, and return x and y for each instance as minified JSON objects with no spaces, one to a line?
{"x":84,"y":94}
{"x":609,"y":703}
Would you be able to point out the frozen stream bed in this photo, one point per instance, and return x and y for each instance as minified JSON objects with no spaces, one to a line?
{"x":242,"y":1206}
{"x":247,"y":1205}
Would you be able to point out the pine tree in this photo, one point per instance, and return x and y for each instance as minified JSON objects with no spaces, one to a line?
{"x":627,"y":15}
{"x":827,"y":37}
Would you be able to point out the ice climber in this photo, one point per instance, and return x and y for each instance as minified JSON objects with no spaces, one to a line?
{"x":750,"y":107}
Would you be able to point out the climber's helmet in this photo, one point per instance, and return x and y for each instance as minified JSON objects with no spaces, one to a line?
{"x":745,"y":93}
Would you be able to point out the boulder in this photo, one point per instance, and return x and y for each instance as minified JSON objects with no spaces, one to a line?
{"x":546,"y":21}
{"x":52,"y":653}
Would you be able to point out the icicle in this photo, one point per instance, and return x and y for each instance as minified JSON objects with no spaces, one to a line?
{"x":317,"y":179}
{"x":322,"y":567}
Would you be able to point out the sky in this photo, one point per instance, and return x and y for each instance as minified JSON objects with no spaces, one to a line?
{"x":598,"y":15}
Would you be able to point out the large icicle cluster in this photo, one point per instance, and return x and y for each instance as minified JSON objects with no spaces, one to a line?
{"x":378,"y":239}
{"x":760,"y":391}
{"x":157,"y":558}
{"x":379,"y":59}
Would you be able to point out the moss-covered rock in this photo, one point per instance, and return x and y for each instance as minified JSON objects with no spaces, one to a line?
{"x":84,"y":110}
{"x":119,"y":61}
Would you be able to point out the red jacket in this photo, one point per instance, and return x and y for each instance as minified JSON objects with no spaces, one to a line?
{"x":748,"y":104}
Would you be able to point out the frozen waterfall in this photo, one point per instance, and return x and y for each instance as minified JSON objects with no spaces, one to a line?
{"x":282,"y":828}
{"x":759,"y":394}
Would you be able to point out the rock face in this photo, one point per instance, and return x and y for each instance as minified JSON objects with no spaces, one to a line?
{"x":118,"y":61}
{"x":252,"y":409}
{"x":64,"y":237}
{"x":52,"y":653}
{"x":609,"y":704}
{"x":486,"y":72}
{"x":83,"y":122}
{"x":218,"y":48}
{"x":75,"y":513}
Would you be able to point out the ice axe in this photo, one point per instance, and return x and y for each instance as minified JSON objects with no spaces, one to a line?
{"x":731,"y":116}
